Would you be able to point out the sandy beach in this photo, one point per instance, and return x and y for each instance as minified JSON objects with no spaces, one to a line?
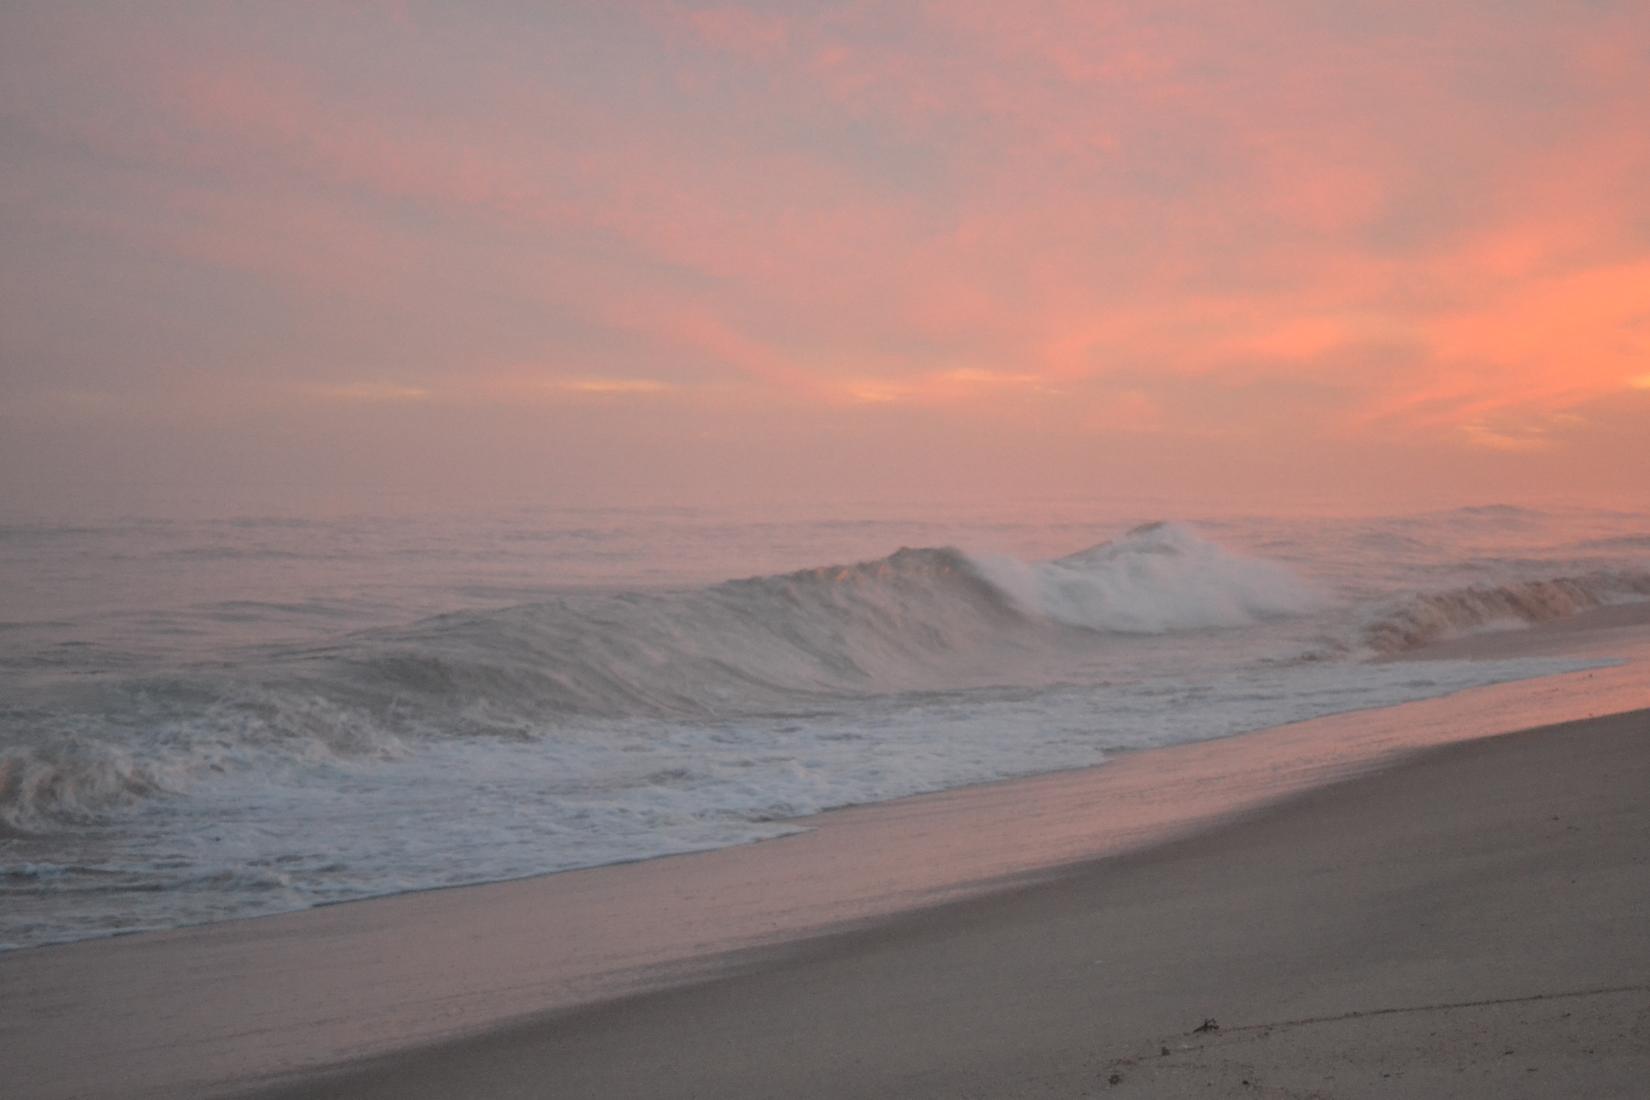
{"x":1468,"y":924}
{"x":1391,"y":895}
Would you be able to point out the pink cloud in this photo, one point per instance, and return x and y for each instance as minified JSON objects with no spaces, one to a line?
{"x":950,"y":207}
{"x":740,"y":30}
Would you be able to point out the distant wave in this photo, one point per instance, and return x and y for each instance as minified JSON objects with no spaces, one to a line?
{"x":1494,"y":514}
{"x":1431,"y":617}
{"x":1618,"y":542}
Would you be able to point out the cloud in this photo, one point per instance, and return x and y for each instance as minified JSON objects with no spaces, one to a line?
{"x":943,"y":386}
{"x":1413,"y":225}
{"x":529,"y":382}
{"x":740,"y":31}
{"x":367,"y":393}
{"x":1530,"y":440}
{"x":612,"y":386}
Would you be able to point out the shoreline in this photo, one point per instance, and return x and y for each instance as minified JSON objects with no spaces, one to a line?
{"x":226,"y":1007}
{"x":1390,"y":934}
{"x":1591,"y":626}
{"x":803,"y":823}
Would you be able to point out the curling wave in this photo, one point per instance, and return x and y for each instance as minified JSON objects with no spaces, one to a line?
{"x":918,"y":619}
{"x":1438,"y":616}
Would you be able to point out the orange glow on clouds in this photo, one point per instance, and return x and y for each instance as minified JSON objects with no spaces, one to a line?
{"x":369,"y":392}
{"x":1316,"y":233}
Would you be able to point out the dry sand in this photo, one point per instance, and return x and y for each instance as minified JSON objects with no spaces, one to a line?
{"x":1354,"y":931}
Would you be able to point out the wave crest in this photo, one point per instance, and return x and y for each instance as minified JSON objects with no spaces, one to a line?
{"x":1159,"y":578}
{"x":918,"y":619}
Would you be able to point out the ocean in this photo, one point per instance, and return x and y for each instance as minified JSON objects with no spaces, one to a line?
{"x":203,"y":719}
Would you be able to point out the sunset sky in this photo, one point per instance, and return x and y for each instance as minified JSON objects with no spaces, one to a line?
{"x":1275,"y":250}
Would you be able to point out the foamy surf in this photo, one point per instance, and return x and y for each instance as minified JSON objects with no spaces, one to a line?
{"x":306,"y":749}
{"x":1157,"y":579}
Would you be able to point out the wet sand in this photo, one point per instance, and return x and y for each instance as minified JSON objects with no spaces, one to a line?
{"x":1349,"y":898}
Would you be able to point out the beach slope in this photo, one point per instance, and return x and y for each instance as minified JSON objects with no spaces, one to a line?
{"x":1468,"y":923}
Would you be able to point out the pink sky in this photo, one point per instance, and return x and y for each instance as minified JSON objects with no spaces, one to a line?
{"x":1283,"y":250}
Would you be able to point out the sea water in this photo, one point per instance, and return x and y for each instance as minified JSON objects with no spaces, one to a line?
{"x":212,"y":718}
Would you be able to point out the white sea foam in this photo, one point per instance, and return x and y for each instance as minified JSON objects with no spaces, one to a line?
{"x":1159,"y":578}
{"x":71,"y":781}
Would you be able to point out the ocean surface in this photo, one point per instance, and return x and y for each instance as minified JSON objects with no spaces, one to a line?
{"x":212,"y":718}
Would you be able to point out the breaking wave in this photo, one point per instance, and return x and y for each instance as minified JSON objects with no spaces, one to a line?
{"x":917,"y":620}
{"x":81,"y":767}
{"x":74,"y":783}
{"x":923,"y":619}
{"x":1433,"y":617}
